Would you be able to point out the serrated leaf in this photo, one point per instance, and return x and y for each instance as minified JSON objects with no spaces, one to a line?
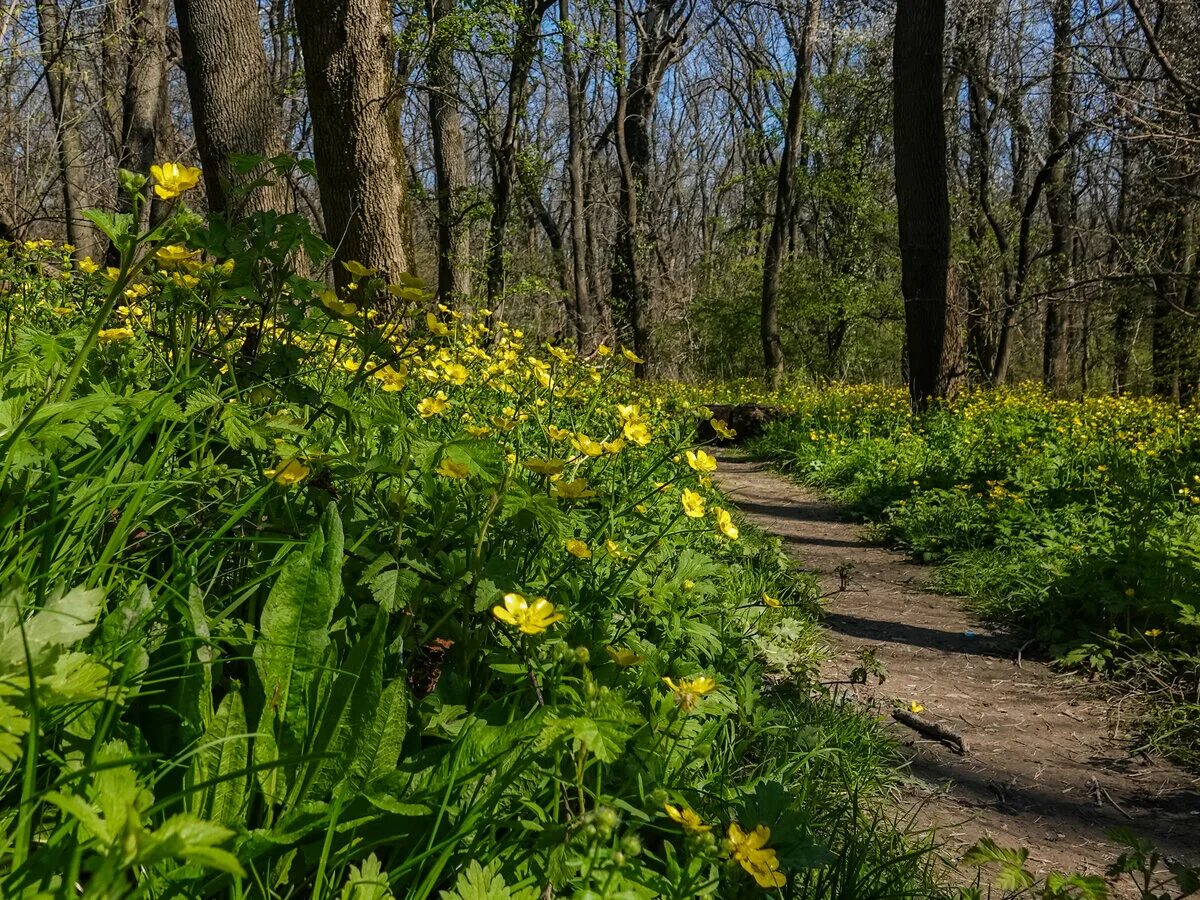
{"x":478,"y":882}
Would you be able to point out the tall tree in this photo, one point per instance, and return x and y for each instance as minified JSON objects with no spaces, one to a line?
{"x":933,"y":337}
{"x":784,"y":190}
{"x":660,"y":28}
{"x":234,"y":108}
{"x":449,"y":156}
{"x":1059,"y":189}
{"x":347,"y":49}
{"x":583,"y":317}
{"x":54,"y":44}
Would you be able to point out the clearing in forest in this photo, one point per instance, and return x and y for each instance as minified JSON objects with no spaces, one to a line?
{"x":1048,"y":766}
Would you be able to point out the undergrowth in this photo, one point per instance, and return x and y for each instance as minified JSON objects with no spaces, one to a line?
{"x":311,"y":595}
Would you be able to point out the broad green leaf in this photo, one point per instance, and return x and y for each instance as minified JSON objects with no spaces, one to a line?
{"x":224,"y":759}
{"x":294,"y":630}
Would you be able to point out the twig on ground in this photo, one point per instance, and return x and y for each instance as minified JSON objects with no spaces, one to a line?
{"x":935,"y":730}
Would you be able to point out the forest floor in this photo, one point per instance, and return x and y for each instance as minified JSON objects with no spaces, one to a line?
{"x":1049,"y":766}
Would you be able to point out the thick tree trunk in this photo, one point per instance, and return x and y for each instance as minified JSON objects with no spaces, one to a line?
{"x":1056,"y":363}
{"x":784,"y":191}
{"x":347,"y":48}
{"x":52,"y":40}
{"x":923,"y":202}
{"x":585,"y":324}
{"x":234,"y":106}
{"x":449,"y":158}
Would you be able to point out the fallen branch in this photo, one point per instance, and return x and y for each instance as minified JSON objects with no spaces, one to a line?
{"x":934,"y":730}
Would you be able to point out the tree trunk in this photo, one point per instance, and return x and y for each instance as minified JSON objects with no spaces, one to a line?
{"x":145,"y":83}
{"x":449,"y":157}
{"x":347,"y":48}
{"x":234,"y":106}
{"x":923,"y":202}
{"x":1056,"y":363}
{"x":585,"y":318}
{"x":784,"y":190}
{"x":504,"y":153}
{"x":52,"y":41}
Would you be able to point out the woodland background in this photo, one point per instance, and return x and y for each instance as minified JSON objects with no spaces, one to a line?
{"x":713,"y":184}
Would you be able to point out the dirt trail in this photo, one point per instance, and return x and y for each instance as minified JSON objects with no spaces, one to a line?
{"x":1045,"y":768}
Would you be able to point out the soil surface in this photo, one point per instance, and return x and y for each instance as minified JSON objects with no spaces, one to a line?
{"x":1048,"y":766}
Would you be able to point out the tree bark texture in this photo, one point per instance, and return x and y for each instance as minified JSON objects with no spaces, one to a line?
{"x":449,"y":157}
{"x":234,"y":106}
{"x":347,"y":49}
{"x":56,"y":58}
{"x":1056,"y":363}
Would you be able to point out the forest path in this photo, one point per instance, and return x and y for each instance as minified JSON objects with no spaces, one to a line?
{"x":1046,"y":768}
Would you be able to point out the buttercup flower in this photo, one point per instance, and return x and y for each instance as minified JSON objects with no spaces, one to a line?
{"x":586,"y":445}
{"x":172,"y":179}
{"x":571,"y":490}
{"x":752,"y":854}
{"x":687,"y":818}
{"x":530,"y":618}
{"x":915,"y":706}
{"x":110,"y":335}
{"x":688,"y":691}
{"x":624,"y":658}
{"x":770,"y":601}
{"x":693,"y":504}
{"x":544,"y":466}
{"x":725,"y":523}
{"x":701,"y":461}
{"x":631,"y":356}
{"x":431,"y":406}
{"x":723,"y":430}
{"x":288,"y":472}
{"x":578,"y":548}
{"x":448,"y":468}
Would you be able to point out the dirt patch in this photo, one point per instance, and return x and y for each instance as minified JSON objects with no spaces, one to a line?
{"x":1049,"y":767}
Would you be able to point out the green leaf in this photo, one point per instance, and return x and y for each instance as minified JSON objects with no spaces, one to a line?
{"x":294,"y":630}
{"x":380,"y":746}
{"x":223,"y":759}
{"x":368,"y":882}
{"x":349,"y":709}
{"x":478,"y":882}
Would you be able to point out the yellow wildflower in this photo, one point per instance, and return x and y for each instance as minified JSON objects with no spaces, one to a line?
{"x":436,"y":325}
{"x":624,"y":658}
{"x":87,"y":266}
{"x":693,"y":504}
{"x":174,"y":256}
{"x":770,"y":601}
{"x":915,"y":706}
{"x":688,"y":691}
{"x":722,"y":429}
{"x":587,"y":445}
{"x":638,"y":432}
{"x":701,"y":461}
{"x":687,"y":818}
{"x":578,"y":548}
{"x":530,"y":618}
{"x":448,"y":468}
{"x":172,"y":179}
{"x":631,"y":356}
{"x":571,"y":490}
{"x":556,"y":433}
{"x":334,"y":304}
{"x":604,"y":350}
{"x":545,"y":466}
{"x":752,"y":854}
{"x":288,"y":472}
{"x":725,"y":524}
{"x":432,"y":406}
{"x":1153,"y":632}
{"x":109,"y":335}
